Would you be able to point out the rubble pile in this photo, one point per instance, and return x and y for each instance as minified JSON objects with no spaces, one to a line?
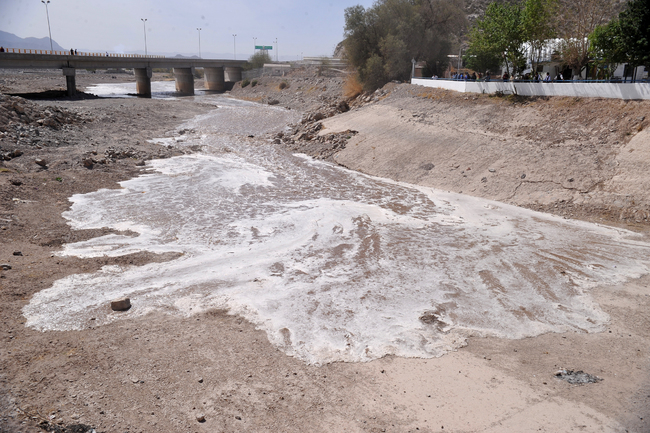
{"x":24,"y":125}
{"x":305,"y":138}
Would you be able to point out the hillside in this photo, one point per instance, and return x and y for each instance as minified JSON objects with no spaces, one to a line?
{"x":9,"y":40}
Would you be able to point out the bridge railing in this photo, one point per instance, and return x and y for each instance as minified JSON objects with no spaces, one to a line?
{"x":80,"y":54}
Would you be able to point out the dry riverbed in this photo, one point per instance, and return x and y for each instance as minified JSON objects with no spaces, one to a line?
{"x":215,"y":372}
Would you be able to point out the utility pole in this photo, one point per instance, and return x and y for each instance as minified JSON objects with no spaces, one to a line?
{"x":234,"y":45}
{"x":276,"y":50}
{"x":46,"y":2}
{"x":144,"y":27}
{"x":199,"y":29}
{"x":254,"y":44}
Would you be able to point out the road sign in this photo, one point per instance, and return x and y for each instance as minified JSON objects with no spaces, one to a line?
{"x":263,"y":47}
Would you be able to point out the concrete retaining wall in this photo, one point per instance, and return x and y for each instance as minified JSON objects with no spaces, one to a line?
{"x":564,"y":88}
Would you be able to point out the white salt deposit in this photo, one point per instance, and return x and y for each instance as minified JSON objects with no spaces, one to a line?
{"x":332,"y":264}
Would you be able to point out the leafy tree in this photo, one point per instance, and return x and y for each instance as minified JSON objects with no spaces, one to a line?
{"x":258,"y":59}
{"x":606,"y":47}
{"x":538,"y":27}
{"x":498,"y":35}
{"x":634,"y":25}
{"x":381,"y":41}
{"x":480,"y":60}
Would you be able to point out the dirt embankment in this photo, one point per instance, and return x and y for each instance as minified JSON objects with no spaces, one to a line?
{"x":577,"y":157}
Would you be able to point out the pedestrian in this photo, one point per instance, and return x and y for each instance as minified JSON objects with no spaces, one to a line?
{"x":547,"y":78}
{"x":2,"y":49}
{"x":71,"y":52}
{"x":506,"y":76}
{"x":487,"y":76}
{"x":75,"y":51}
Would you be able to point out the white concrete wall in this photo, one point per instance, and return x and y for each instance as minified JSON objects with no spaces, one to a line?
{"x":563,"y":88}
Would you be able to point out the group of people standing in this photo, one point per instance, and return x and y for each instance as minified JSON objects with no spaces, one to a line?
{"x":466,"y":77}
{"x":538,"y":77}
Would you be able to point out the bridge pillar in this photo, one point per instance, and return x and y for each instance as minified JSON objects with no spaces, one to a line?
{"x":143,"y":81}
{"x":214,"y":79}
{"x":70,"y":80}
{"x":233,"y":74}
{"x":184,"y":80}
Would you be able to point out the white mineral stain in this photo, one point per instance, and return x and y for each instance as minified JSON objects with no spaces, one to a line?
{"x":332,"y":264}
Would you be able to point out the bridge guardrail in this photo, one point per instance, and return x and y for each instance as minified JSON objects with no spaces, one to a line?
{"x":80,"y":54}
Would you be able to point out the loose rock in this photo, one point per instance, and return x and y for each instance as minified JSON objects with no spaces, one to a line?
{"x":121,"y":304}
{"x":578,"y":377}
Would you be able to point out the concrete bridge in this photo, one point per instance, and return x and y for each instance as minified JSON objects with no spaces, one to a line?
{"x":216,"y":71}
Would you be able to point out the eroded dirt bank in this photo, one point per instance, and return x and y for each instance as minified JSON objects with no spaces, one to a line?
{"x":580,"y":158}
{"x":215,"y":372}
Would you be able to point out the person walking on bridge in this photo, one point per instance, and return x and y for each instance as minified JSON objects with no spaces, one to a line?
{"x":2,"y":49}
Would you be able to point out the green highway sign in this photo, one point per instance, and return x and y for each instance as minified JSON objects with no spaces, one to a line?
{"x":263,"y":47}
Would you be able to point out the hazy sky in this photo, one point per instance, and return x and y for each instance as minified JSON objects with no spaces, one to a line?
{"x":301,"y":26}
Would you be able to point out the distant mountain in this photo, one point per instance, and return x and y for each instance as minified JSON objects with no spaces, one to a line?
{"x":9,"y":40}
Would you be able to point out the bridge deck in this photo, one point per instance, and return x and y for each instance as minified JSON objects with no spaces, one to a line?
{"x":83,"y":61}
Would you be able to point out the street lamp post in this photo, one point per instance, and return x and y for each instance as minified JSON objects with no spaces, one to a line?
{"x":254,"y":44}
{"x":234,"y":45}
{"x":199,"y":29}
{"x":276,"y":50}
{"x":144,"y":27}
{"x":49,"y":30}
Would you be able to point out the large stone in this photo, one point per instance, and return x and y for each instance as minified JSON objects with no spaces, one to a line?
{"x":121,"y":304}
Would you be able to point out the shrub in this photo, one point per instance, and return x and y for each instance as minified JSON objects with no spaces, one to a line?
{"x":352,"y":87}
{"x":253,"y":83}
{"x":245,"y":83}
{"x":257,"y":60}
{"x":283,"y":85}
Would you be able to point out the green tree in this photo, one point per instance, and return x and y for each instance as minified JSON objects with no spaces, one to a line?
{"x":538,"y":27}
{"x":381,"y":41}
{"x":479,"y":59}
{"x":624,"y":40}
{"x":498,"y":35}
{"x":634,"y":25}
{"x":606,"y":49}
{"x":258,"y":59}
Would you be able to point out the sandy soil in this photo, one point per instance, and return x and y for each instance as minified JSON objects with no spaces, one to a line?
{"x":215,"y":372}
